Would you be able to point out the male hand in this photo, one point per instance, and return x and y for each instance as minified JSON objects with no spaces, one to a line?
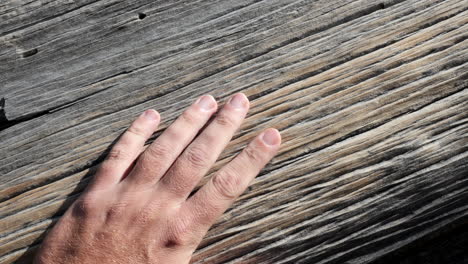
{"x":137,"y":209}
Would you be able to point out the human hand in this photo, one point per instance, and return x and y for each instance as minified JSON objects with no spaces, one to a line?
{"x":137,"y":209}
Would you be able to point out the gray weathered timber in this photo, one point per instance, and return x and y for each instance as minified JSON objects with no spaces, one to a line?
{"x":371,"y":98}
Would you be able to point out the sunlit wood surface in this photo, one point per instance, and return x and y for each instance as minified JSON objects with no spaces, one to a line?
{"x":371,"y":98}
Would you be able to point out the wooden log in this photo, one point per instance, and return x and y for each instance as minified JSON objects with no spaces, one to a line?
{"x":371,"y":99}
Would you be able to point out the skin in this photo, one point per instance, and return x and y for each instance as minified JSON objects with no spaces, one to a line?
{"x":137,"y":209}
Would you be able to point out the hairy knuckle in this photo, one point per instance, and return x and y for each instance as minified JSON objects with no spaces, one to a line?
{"x":226,"y":183}
{"x":197,"y":156}
{"x":225,"y":120}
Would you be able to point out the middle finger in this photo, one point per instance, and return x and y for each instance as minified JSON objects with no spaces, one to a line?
{"x":202,"y":153}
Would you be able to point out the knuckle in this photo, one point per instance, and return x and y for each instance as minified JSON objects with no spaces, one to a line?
{"x":180,"y":236}
{"x":137,"y":131}
{"x":150,"y":162}
{"x":253,"y":155}
{"x":197,"y":156}
{"x":189,"y":117}
{"x":117,"y":153}
{"x":156,"y":152}
{"x":209,"y":137}
{"x":116,"y":210}
{"x":85,"y":206}
{"x":226,"y":183}
{"x":225,"y":120}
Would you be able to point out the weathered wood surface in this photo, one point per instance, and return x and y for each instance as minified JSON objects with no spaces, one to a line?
{"x":446,"y":246}
{"x":370,"y":96}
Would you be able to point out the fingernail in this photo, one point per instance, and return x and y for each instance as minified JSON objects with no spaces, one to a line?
{"x":151,"y":114}
{"x":271,"y":137}
{"x":206,"y":102}
{"x":239,"y":101}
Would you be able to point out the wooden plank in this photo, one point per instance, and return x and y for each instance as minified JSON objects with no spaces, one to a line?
{"x":371,"y":99}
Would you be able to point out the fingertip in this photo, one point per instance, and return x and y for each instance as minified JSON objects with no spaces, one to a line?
{"x":207,"y":103}
{"x":239,"y":101}
{"x":151,"y":115}
{"x":271,"y":137}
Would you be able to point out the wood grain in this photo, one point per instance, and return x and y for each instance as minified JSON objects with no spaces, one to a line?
{"x":371,"y":99}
